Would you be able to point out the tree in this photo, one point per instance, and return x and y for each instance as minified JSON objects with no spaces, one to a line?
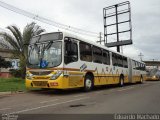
{"x":4,"y":63}
{"x":18,"y":42}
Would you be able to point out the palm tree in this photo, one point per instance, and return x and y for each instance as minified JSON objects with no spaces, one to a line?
{"x":18,"y":42}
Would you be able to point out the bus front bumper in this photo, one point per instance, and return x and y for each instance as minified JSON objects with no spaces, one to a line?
{"x":59,"y":83}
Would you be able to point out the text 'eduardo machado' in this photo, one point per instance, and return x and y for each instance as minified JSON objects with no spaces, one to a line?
{"x":137,"y":116}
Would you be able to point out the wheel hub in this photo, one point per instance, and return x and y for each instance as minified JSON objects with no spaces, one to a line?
{"x":88,"y":83}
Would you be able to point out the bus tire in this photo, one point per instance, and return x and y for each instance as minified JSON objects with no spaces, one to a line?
{"x":141,"y":79}
{"x":121,"y":81}
{"x":88,"y":83}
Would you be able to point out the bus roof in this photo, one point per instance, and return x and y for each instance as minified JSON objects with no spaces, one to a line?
{"x":87,"y":41}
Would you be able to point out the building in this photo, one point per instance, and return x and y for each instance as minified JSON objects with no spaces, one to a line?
{"x":152,"y":64}
{"x":7,"y":55}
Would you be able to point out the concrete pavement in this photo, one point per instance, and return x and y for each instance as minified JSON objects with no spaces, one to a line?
{"x":136,"y":98}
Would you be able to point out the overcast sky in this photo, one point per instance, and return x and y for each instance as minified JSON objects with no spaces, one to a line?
{"x":88,"y":15}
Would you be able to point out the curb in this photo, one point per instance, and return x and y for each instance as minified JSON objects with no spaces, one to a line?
{"x":5,"y":93}
{"x":11,"y":93}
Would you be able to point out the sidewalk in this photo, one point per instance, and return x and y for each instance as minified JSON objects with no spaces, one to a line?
{"x":11,"y":93}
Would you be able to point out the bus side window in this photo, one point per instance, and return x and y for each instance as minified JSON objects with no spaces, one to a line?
{"x":144,"y":67}
{"x":133,"y":64}
{"x":125,"y":63}
{"x":71,"y":52}
{"x":106,"y":57}
{"x":85,"y":52}
{"x":114,"y":59}
{"x":137,"y":65}
{"x":120,"y":60}
{"x":141,"y":66}
{"x":97,"y":54}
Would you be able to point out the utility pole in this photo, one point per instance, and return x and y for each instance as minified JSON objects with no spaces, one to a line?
{"x":141,"y":55}
{"x":118,"y":47}
{"x":100,"y":38}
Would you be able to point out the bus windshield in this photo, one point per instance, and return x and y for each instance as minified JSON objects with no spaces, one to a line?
{"x":45,"y":55}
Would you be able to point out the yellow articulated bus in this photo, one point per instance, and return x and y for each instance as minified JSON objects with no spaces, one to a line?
{"x":60,"y":60}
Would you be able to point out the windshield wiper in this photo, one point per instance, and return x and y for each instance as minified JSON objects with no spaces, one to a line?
{"x":44,"y":63}
{"x":48,"y":46}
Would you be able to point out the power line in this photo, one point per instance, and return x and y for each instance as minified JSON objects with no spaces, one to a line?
{"x":47,"y":21}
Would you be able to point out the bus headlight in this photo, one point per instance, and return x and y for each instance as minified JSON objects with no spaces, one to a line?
{"x":55,"y":76}
{"x":29,"y":76}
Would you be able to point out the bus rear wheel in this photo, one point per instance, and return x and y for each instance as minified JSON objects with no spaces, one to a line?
{"x":88,"y":83}
{"x":121,"y":81}
{"x":141,"y":79}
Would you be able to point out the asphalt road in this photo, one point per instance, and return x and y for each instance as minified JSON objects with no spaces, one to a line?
{"x":134,"y":98}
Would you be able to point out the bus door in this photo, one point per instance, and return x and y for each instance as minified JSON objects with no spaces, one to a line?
{"x":71,"y":63}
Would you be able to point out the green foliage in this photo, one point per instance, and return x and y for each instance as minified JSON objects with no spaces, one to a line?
{"x":15,"y":72}
{"x":4,"y":63}
{"x":18,"y":42}
{"x":12,"y":84}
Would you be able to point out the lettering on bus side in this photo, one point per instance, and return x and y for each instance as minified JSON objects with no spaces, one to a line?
{"x":83,"y":67}
{"x":107,"y":69}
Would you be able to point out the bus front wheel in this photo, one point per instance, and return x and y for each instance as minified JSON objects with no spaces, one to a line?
{"x":88,"y":83}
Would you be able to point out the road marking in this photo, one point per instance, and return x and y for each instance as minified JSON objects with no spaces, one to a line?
{"x":5,"y":109}
{"x":112,"y":90}
{"x":79,"y":96}
{"x":49,"y":101}
{"x":125,"y":89}
{"x":45,"y":106}
{"x":145,"y":84}
{"x":98,"y":92}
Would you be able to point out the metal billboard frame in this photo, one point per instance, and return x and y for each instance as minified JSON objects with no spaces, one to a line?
{"x":116,"y":14}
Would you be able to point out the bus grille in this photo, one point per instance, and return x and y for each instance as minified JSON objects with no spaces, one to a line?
{"x":40,"y":83}
{"x":41,"y":77}
{"x":40,"y":72}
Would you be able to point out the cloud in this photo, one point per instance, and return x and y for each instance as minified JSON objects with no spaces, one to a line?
{"x":88,"y":15}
